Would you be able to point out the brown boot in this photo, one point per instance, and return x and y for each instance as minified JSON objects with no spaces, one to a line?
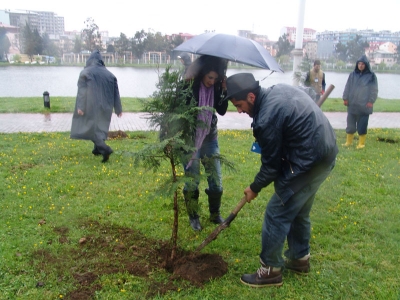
{"x":264,"y":277}
{"x":299,"y":266}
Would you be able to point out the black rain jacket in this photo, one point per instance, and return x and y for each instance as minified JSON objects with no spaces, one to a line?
{"x":97,"y":96}
{"x":295,"y":137}
{"x":361,"y":88}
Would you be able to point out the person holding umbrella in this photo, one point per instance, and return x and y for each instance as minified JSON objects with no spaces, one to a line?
{"x":206,"y":78}
{"x":298,"y":152}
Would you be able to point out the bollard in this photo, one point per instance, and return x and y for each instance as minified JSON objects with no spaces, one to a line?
{"x":46,"y":99}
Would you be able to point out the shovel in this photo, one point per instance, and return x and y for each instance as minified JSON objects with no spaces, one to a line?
{"x":223,"y":225}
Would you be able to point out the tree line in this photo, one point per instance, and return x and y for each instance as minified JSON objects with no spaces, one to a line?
{"x":33,"y":43}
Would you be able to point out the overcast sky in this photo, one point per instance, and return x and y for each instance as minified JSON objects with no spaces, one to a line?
{"x":194,"y":17}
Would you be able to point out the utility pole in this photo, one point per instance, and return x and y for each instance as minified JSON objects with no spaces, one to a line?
{"x":298,"y":48}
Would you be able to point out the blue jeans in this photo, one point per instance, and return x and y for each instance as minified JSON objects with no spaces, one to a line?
{"x":212,"y":168}
{"x":357,"y":123}
{"x":289,"y":221}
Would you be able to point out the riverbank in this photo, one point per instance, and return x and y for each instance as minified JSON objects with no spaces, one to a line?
{"x":67,"y":105}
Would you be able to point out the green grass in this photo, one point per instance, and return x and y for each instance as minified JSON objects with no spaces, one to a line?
{"x":57,"y":105}
{"x":381,"y":105}
{"x":67,"y":104}
{"x":355,"y":219}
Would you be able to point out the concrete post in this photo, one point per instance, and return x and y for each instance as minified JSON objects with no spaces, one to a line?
{"x":298,"y":48}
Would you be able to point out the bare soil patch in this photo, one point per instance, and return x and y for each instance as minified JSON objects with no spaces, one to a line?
{"x":111,"y":249}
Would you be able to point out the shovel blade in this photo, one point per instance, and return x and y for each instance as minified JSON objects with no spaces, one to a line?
{"x":223,"y":225}
{"x":212,"y":236}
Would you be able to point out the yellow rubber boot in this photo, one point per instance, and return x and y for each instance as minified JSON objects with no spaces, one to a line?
{"x":349,"y":139}
{"x":361,"y":141}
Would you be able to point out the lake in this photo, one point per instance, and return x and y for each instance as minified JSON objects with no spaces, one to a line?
{"x":32,"y":81}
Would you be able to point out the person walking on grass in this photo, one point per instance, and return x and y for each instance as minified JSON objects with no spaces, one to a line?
{"x":298,"y":152}
{"x":359,"y":96}
{"x":98,"y":95}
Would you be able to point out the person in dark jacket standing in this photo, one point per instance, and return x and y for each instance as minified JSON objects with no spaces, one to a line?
{"x":207,"y":75}
{"x":359,"y":96}
{"x":298,"y":152}
{"x":98,"y":95}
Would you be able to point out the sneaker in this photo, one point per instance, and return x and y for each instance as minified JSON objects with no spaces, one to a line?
{"x":264,"y":277}
{"x":298,"y":266}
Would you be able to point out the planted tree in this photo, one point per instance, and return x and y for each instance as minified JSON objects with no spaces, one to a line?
{"x":173,"y":110}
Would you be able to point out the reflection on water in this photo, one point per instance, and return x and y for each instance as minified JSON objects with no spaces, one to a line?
{"x":141,"y":82}
{"x":47,"y":117}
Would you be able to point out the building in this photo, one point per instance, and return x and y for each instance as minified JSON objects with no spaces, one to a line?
{"x":183,"y":36}
{"x":382,"y":57}
{"x":308,"y":34}
{"x":19,"y":18}
{"x":43,"y":21}
{"x":328,"y":40}
{"x":310,"y":50}
{"x":385,"y":54}
{"x":50,"y":23}
{"x":368,"y":35}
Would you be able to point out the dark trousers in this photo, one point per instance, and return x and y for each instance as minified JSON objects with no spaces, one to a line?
{"x":291,"y":221}
{"x":100,"y":147}
{"x":357,"y":123}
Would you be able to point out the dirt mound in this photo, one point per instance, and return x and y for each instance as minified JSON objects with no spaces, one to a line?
{"x":110,"y":249}
{"x":117,"y":135}
{"x":200,"y":268}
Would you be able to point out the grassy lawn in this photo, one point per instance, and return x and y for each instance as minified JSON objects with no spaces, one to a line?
{"x":54,"y":192}
{"x":67,"y":104}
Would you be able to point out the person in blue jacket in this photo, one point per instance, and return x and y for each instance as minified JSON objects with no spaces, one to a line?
{"x":359,"y":96}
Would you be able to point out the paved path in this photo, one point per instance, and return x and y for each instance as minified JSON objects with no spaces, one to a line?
{"x":11,"y":123}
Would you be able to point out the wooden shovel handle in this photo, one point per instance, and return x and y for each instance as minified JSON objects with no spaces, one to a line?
{"x":240,"y":205}
{"x":325,"y":95}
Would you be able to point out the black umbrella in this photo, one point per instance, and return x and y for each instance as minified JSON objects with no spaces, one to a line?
{"x":231,"y":47}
